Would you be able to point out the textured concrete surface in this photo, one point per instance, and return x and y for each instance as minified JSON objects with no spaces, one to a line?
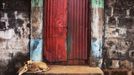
{"x":97,"y":25}
{"x":71,"y":70}
{"x":14,"y":34}
{"x":119,"y":34}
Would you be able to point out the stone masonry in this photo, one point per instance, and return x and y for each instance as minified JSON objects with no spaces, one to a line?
{"x":118,"y":47}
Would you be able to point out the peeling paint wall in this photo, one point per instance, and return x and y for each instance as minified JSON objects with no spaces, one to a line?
{"x":97,"y":20}
{"x":36,"y":42}
{"x":14,"y":34}
{"x":119,"y":34}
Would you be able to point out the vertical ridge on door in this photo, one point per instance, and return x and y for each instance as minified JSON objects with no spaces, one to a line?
{"x":55,"y":30}
{"x":77,"y":25}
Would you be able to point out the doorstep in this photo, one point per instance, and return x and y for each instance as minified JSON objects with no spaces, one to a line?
{"x":70,"y":70}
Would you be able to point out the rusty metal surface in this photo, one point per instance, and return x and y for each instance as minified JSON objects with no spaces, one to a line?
{"x":55,"y":30}
{"x":66,"y":30}
{"x":77,"y":30}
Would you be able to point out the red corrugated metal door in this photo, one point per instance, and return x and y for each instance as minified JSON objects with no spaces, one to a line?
{"x":55,"y":30}
{"x":66,"y":26}
{"x":77,"y":31}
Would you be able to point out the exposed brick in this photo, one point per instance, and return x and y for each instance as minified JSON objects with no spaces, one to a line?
{"x":127,"y":22}
{"x":112,"y":22}
{"x":119,"y":12}
{"x":108,"y":12}
{"x":132,"y":12}
{"x":106,"y":73}
{"x":132,"y":73}
{"x":119,"y":73}
{"x":121,"y":28}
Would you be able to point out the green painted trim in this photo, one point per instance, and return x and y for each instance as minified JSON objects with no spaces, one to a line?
{"x":97,"y":3}
{"x":68,"y":44}
{"x":37,"y":3}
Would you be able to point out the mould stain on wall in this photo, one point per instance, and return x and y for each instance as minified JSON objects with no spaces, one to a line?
{"x":119,"y":27}
{"x":14,"y":30}
{"x":36,"y":42}
{"x":96,"y":32}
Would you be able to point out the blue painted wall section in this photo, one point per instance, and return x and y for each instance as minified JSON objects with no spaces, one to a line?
{"x":36,"y":30}
{"x":36,"y":50}
{"x":97,"y":21}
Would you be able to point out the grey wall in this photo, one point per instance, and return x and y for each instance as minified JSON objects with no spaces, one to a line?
{"x":119,"y":34}
{"x":14,"y":34}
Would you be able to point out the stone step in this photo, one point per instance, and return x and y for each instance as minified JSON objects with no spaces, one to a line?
{"x":118,"y":72}
{"x":70,"y":70}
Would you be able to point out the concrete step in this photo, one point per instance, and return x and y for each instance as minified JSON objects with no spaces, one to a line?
{"x":118,"y":72}
{"x":70,"y":70}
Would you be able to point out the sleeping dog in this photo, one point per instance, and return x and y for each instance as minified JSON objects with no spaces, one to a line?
{"x":33,"y":66}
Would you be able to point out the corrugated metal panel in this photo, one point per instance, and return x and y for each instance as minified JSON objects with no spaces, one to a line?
{"x":55,"y":30}
{"x":58,"y":29}
{"x":77,"y":30}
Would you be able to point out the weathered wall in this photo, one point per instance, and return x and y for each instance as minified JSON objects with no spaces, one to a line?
{"x":14,"y":34}
{"x":36,"y":30}
{"x":119,"y":34}
{"x":97,"y":24}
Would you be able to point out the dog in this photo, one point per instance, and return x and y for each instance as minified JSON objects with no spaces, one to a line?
{"x":33,"y":66}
